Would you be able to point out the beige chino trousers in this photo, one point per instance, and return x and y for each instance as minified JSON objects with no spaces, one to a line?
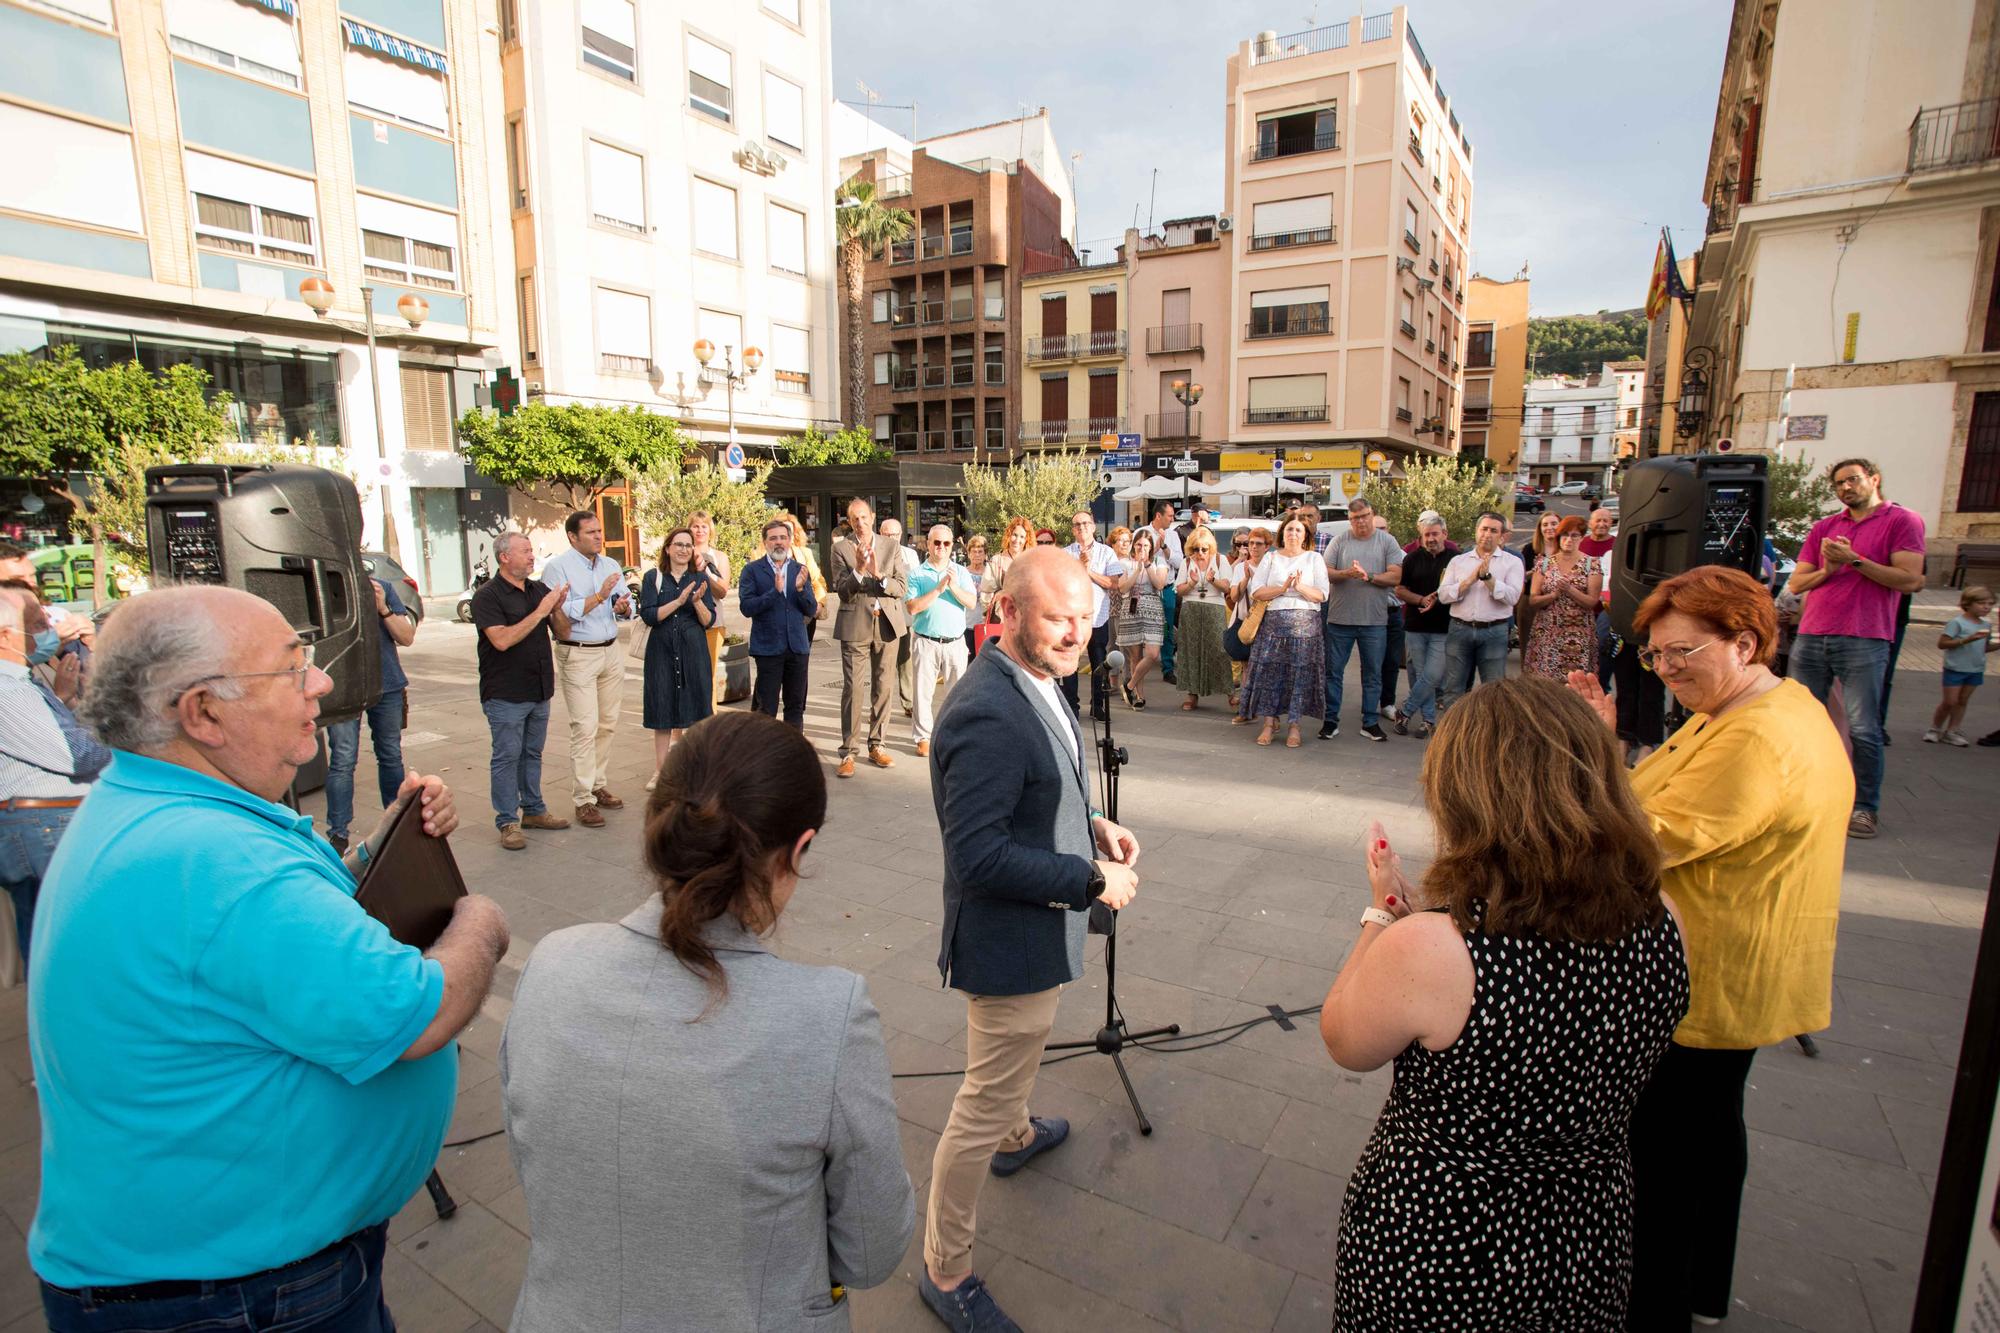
{"x":592,"y":681}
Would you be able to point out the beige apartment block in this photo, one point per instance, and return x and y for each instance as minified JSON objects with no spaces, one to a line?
{"x":1180,"y":333}
{"x":1496,"y":371}
{"x":1347,"y":199}
{"x":1072,"y":375}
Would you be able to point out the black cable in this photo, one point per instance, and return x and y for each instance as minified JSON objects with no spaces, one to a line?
{"x":476,"y":1138}
{"x":1159,"y":1045}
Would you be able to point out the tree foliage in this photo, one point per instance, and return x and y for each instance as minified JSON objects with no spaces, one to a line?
{"x":1579,"y":344}
{"x":662,"y":501}
{"x":576,"y":449}
{"x":1459,"y":490}
{"x":814,"y":449}
{"x":1046,"y":489}
{"x":1800,"y":495}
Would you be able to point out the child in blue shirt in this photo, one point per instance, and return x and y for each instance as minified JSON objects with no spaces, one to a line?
{"x":1966,"y":641}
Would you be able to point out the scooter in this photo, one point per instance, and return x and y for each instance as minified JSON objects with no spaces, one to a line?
{"x":482,"y":574}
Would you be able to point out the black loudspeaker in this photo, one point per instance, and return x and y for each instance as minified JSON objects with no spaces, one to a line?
{"x":292,"y":536}
{"x":1681,"y":511}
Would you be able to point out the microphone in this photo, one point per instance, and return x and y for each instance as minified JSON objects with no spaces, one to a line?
{"x":1114,"y":660}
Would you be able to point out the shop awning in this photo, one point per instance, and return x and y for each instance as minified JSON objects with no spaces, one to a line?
{"x":275,"y":6}
{"x":360,"y":34}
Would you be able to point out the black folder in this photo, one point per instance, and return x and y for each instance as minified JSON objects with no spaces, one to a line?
{"x":413,"y":883}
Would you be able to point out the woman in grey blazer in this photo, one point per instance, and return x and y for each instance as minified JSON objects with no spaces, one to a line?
{"x":704,"y":1131}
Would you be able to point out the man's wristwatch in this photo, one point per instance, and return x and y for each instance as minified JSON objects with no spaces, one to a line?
{"x":1486,"y":577}
{"x":1096,"y":881}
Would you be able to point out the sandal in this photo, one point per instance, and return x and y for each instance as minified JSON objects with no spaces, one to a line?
{"x":1264,"y":736}
{"x":1125,"y":688}
{"x":1239,"y":721}
{"x":1292,"y":739}
{"x":1189,"y":705}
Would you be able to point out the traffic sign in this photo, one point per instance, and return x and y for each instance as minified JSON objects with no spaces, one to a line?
{"x":1126,"y":441}
{"x":733,"y":457}
{"x":1277,"y":467}
{"x":1186,"y":467}
{"x":1121,"y":460}
{"x":1377,"y":460}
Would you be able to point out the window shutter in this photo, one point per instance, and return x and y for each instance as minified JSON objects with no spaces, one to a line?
{"x":426,"y":407}
{"x":1103,"y":314}
{"x":1055,"y":315}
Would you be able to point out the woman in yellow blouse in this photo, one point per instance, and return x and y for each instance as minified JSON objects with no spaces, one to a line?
{"x":1749,"y":801}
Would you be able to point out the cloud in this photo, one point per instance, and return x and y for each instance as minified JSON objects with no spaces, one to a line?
{"x":1590,"y":124}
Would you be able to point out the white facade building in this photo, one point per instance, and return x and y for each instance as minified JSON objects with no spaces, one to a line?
{"x":1567,"y":428}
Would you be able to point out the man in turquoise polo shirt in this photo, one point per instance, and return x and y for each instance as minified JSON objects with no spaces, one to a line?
{"x":242,"y":1075}
{"x":941,"y":591}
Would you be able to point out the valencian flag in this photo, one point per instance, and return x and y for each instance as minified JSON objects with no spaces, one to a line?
{"x":1666,"y":285}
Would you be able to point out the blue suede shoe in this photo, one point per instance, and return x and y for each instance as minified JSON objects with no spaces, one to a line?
{"x":1048,"y":1133}
{"x":966,"y":1308}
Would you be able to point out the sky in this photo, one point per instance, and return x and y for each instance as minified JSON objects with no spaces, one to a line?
{"x":1589,"y":123}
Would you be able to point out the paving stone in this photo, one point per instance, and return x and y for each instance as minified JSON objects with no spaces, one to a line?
{"x":1179,"y":1174}
{"x":1308,"y":1309}
{"x":1319,"y":1137}
{"x":20,"y":1290}
{"x":1891,"y":1195}
{"x":1793,"y":1284}
{"x":420,"y":1301}
{"x":1919,"y":1131}
{"x":476,"y":1256}
{"x":1291,"y":1218}
{"x":1039,"y":1299}
{"x":1798,"y":1106}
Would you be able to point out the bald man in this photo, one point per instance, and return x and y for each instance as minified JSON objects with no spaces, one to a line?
{"x":1025,"y":857}
{"x":242,"y":1075}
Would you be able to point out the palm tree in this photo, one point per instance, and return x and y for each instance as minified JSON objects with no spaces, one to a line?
{"x":862,"y":226}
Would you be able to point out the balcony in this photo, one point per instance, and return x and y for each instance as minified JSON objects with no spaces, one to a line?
{"x":1321,"y":141}
{"x":936,"y":441}
{"x":961,"y":241}
{"x":1403,"y":414}
{"x":1444,"y":359}
{"x":904,"y":441}
{"x":1053,"y":347}
{"x":1434,"y":266}
{"x":934,"y":247}
{"x":903,"y":252}
{"x":964,"y":437}
{"x":1280,"y":240}
{"x":1409,"y":330}
{"x":1410,"y":239}
{"x":961,"y":308}
{"x":893,"y":186}
{"x":1429,"y":345}
{"x":1478,"y":414}
{"x":1416,"y":148}
{"x":1273,"y":416}
{"x":902,"y":379}
{"x":1075,"y":430}
{"x":996,"y":440}
{"x":1288,"y":322}
{"x":903,"y":316}
{"x":963,"y":374}
{"x":1173,"y":425}
{"x":1163,"y":339}
{"x":1330,"y":38}
{"x":1101,"y":342}
{"x":1072,"y":346}
{"x":931,"y":312}
{"x":1947,"y":137}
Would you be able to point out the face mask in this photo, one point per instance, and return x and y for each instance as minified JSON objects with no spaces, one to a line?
{"x":43,"y":647}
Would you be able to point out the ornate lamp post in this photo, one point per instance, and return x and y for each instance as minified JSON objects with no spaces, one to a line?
{"x":732,"y":378}
{"x":1691,"y":411}
{"x":318,"y":293}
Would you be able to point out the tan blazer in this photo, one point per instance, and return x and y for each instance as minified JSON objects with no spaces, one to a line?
{"x":888,"y":585}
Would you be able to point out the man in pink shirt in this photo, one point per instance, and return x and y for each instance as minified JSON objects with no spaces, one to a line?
{"x":1856,"y":564}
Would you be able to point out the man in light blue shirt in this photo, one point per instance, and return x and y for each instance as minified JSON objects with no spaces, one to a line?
{"x":590,"y":667}
{"x":941,"y":592}
{"x":242,"y":1075}
{"x":1103,"y":568}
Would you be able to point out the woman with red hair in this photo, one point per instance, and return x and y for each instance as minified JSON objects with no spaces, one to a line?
{"x":1563,"y":591}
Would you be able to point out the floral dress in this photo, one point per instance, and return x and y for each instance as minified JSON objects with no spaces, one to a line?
{"x":1564,"y":636}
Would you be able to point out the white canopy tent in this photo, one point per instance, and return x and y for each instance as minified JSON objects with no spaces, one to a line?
{"x":1253,"y":483}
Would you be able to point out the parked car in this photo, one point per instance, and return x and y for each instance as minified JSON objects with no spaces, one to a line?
{"x":1527,"y":502}
{"x":1582,"y":488}
{"x":382,"y":567}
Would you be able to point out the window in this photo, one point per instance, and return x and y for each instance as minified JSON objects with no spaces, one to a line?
{"x":885,"y":426}
{"x":517,"y":161}
{"x":1589,"y":443}
{"x":1479,"y":349}
{"x":879,"y":306}
{"x":714,"y":218}
{"x":1403,"y":398}
{"x":1283,"y":222}
{"x":1408,"y":313}
{"x":720,"y":327}
{"x":426,"y":407}
{"x":510,"y":21}
{"x":251,"y":41}
{"x":407,"y":244}
{"x":881,"y":367}
{"x":1427,"y":404}
{"x":787,"y":239}
{"x":709,"y":82}
{"x":609,"y":39}
{"x":996,"y":294}
{"x":1412,"y":222}
{"x":1282,"y":398}
{"x":624,"y":332}
{"x":1288,"y":310}
{"x":617,"y":187}
{"x":788,"y":10}
{"x":1590,"y":418}
{"x":1548,"y":420}
{"x":791,"y":359}
{"x":395,"y":89}
{"x":247,"y":210}
{"x":1979,"y":483}
{"x":57,"y":167}
{"x":1287,"y":133}
{"x":784,"y":111}
{"x":530,"y":337}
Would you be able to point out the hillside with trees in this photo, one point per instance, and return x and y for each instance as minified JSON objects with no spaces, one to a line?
{"x":1579,"y":344}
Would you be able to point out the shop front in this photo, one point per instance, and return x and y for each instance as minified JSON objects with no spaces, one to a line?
{"x":920,"y":494}
{"x":1334,"y":472}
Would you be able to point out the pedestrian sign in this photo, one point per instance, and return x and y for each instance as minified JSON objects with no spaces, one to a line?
{"x":1277,"y":467}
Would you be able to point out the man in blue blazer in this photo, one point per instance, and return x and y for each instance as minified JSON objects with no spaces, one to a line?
{"x":1025,"y":856}
{"x":777,"y":595}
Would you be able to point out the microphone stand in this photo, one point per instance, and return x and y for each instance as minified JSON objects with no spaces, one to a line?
{"x":1115,"y":1035}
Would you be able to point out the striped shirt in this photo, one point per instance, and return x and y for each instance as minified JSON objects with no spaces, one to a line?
{"x":35,"y":760}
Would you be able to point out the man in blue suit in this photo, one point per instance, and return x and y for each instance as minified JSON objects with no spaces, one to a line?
{"x":777,"y":595}
{"x":1025,"y":857}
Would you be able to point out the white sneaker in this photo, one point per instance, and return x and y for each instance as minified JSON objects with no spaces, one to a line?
{"x":1954,"y":738}
{"x":1933,"y":736}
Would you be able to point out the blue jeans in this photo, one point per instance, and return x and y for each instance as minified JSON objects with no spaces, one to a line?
{"x":1466,"y":648}
{"x":1859,"y":665}
{"x":516,"y":772}
{"x":343,"y":749}
{"x":1392,"y":654}
{"x":1340,"y":641}
{"x":27,"y":840}
{"x":338,"y":1290}
{"x":1426,"y":667}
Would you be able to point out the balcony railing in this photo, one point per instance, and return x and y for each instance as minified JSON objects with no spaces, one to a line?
{"x":1324,"y":141}
{"x":1402,"y":414}
{"x":996,"y":440}
{"x":1963,"y":135}
{"x":1288,"y":322}
{"x":1434,"y":266}
{"x":1066,"y":346}
{"x":1268,"y":416}
{"x":904,"y":441}
{"x":902,"y":252}
{"x":1052,"y":347}
{"x":893,"y":186}
{"x":996,"y":372}
{"x":1430,"y":345}
{"x":1409,"y":329}
{"x":1279,"y":240}
{"x":963,"y":373}
{"x":934,"y":247}
{"x":1416,"y":148}
{"x":1101,"y":342}
{"x":933,"y":313}
{"x":1164,"y":338}
{"x":1378,"y":27}
{"x":1410,"y":239}
{"x":903,"y":379}
{"x":902,"y":316}
{"x":964,"y":437}
{"x":961,"y":242}
{"x":1330,"y":38}
{"x":936,"y":441}
{"x":1084,"y":430}
{"x":1478,"y":414}
{"x":1173,"y":425}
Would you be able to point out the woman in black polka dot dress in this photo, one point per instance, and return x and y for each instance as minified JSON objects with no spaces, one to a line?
{"x":1524,"y":1012}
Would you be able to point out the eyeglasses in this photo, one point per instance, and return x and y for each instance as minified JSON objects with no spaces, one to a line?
{"x":301,"y":674}
{"x":1045,"y":541}
{"x":1654,"y":659}
{"x":1854,"y":480}
{"x":940,"y":543}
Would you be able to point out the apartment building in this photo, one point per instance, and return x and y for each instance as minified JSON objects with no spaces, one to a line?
{"x":1568,"y":427}
{"x":1853,"y":185}
{"x":1347,"y":199}
{"x":185,"y":176}
{"x":1179,"y":331}
{"x":945,"y":324}
{"x":670,"y":188}
{"x":1666,"y":337}
{"x":1073,"y":367}
{"x":1496,"y":372}
{"x":1631,"y":377}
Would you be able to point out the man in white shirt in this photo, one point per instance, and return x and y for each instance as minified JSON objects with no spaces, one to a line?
{"x":1482,"y":586}
{"x":590,"y":666}
{"x":1167,"y":538}
{"x":1102,"y":565}
{"x":907,"y":558}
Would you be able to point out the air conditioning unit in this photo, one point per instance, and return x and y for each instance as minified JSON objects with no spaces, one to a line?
{"x":1225,"y":223}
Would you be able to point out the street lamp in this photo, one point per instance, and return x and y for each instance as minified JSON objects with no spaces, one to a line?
{"x":318,"y":293}
{"x":753,"y":357}
{"x":1189,"y":395}
{"x":1691,"y":412}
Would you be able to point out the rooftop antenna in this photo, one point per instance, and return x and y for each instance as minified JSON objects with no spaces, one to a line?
{"x":1076,"y":223}
{"x":1152,"y":199}
{"x":872,"y":97}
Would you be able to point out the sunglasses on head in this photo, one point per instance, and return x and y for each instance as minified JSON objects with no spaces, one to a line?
{"x":1045,"y":541}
